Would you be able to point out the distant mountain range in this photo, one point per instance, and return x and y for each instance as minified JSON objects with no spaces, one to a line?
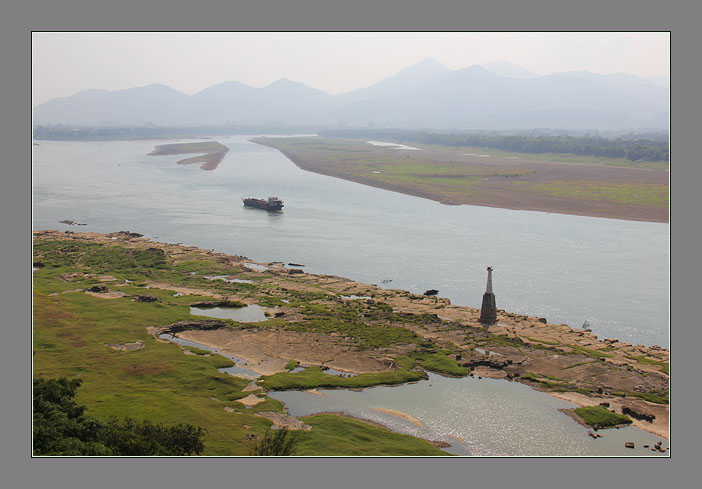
{"x":426,"y":95}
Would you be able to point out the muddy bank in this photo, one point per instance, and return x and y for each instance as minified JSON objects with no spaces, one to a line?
{"x":521,"y":184}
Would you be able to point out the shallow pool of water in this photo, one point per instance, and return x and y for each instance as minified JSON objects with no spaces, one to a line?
{"x":247,"y":314}
{"x":392,"y":146}
{"x":237,"y":369}
{"x":230,"y":280}
{"x":484,"y":417}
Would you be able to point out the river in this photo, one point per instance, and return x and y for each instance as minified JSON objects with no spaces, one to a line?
{"x":613,"y":274}
{"x":570,"y":269}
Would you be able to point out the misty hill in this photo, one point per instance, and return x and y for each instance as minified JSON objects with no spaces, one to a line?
{"x":156,"y":103}
{"x":406,"y":81}
{"x":474,"y":98}
{"x":283,"y":100}
{"x":503,"y":68}
{"x":425,"y":95}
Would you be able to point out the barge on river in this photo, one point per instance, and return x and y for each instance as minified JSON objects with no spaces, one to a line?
{"x":272,"y":204}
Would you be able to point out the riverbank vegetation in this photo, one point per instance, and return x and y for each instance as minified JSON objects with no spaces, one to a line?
{"x":629,"y":148}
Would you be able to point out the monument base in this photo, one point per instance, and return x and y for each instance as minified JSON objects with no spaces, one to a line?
{"x":488,"y":311}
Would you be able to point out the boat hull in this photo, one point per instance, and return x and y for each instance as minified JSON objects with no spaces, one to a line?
{"x":267,"y":205}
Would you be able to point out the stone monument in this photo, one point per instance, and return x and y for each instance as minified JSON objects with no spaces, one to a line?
{"x":488,"y":311}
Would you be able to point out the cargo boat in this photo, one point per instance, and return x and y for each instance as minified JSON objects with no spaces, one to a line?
{"x":272,"y":204}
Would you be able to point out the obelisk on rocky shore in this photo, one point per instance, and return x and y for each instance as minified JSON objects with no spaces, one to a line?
{"x":488,"y":311}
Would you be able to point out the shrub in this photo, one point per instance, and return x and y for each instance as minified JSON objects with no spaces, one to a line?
{"x":277,"y":443}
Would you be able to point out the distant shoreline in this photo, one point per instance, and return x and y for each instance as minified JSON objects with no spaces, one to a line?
{"x":495,"y":191}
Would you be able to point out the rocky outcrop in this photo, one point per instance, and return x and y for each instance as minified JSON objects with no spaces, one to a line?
{"x":146,"y":298}
{"x":281,"y":420}
{"x":203,"y":324}
{"x":634,"y":413}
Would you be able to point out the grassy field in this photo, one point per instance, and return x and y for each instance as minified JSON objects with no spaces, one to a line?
{"x":554,"y":157}
{"x":72,"y":331}
{"x":350,"y":437}
{"x":619,"y":193}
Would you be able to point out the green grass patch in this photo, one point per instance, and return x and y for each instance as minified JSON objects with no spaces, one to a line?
{"x":199,"y":351}
{"x":367,"y":335}
{"x":589,"y":352}
{"x":436,"y":362}
{"x":502,"y":341}
{"x":655,"y":397}
{"x":601,"y":417}
{"x":554,"y":383}
{"x":337,"y":435}
{"x":314,"y":377}
{"x":620,"y":193}
{"x":662,"y":366}
{"x":291,"y":364}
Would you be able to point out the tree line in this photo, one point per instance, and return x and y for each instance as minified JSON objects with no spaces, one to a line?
{"x":653,"y":149}
{"x":112,"y":133}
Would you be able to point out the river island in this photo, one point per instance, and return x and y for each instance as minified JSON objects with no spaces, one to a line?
{"x":468,"y":176}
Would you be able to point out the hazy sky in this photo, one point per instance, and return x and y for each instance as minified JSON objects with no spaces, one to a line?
{"x":65,"y":63}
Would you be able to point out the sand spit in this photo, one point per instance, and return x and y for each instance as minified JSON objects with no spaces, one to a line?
{"x":400,"y":414}
{"x":213,"y":153}
{"x":250,"y":400}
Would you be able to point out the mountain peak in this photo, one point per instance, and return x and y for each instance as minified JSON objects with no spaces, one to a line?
{"x":427,"y":64}
{"x":429,"y":61}
{"x":285,"y":82}
{"x":504,"y":68}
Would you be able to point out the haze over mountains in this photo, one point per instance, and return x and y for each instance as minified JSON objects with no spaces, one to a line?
{"x":426,"y":95}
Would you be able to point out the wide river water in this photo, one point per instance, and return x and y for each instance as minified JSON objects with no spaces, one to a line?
{"x":570,"y":269}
